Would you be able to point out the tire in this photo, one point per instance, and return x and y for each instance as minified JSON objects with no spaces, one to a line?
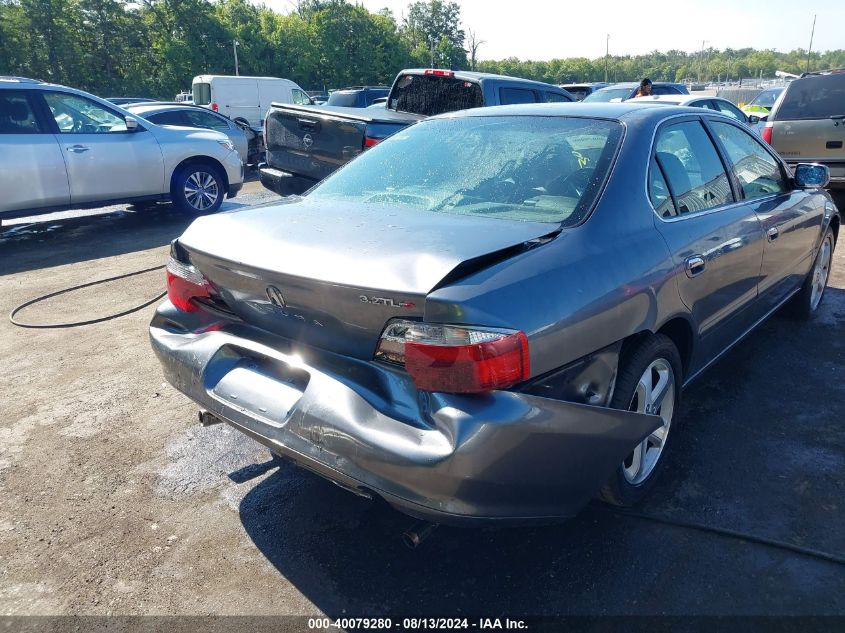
{"x":804,"y":304}
{"x":197,"y":188}
{"x":647,"y":364}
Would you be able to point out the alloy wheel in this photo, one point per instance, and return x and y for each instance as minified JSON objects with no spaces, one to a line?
{"x":655,"y":394}
{"x":201,"y":190}
{"x":821,"y":272}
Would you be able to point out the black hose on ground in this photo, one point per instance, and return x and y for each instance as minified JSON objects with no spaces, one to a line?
{"x":726,"y":532}
{"x":44,"y":326}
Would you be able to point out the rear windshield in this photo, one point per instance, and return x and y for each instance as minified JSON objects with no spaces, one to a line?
{"x":609,"y":94}
{"x":813,"y":98}
{"x":344,"y":99}
{"x":202,"y":94}
{"x":431,"y":94}
{"x":538,"y":169}
{"x":767,"y":98}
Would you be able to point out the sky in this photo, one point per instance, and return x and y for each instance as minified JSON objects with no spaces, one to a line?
{"x":543,"y":29}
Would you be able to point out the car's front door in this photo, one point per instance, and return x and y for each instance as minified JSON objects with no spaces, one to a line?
{"x":716,"y":243}
{"x":104,"y":160}
{"x":790,"y":218}
{"x":32,"y":171}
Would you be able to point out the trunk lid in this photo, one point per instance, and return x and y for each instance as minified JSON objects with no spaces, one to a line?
{"x":332,"y":275}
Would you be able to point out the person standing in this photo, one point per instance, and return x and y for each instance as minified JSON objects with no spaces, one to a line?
{"x":645,"y":88}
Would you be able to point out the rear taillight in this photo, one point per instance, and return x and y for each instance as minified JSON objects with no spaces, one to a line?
{"x":767,"y":133}
{"x":214,"y":107}
{"x":454,"y":358}
{"x":184,"y":284}
{"x":369,"y":141}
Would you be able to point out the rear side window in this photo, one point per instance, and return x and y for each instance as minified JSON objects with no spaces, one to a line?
{"x":433,"y":94}
{"x":813,"y":98}
{"x":758,"y":173}
{"x":691,"y":165}
{"x":509,"y":96}
{"x":658,"y":192}
{"x":168,"y":118}
{"x":202,"y":94}
{"x":16,"y":114}
{"x":731,"y":110}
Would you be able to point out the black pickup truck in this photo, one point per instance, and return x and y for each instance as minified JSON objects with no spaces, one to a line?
{"x":307,"y":143}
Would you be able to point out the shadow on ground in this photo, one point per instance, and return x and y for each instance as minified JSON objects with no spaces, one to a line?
{"x":760,"y":449}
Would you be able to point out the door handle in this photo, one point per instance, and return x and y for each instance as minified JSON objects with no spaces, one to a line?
{"x":773,"y":233}
{"x":695,"y":265}
{"x":77,"y":149}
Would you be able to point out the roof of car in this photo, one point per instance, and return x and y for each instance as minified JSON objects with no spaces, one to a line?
{"x":471,"y":75}
{"x":159,"y":106}
{"x":676,"y":99}
{"x":617,"y":111}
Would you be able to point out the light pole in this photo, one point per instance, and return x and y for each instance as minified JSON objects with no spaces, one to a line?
{"x":701,"y":60}
{"x":813,"y":32}
{"x":235,"y":45}
{"x":606,"y":55}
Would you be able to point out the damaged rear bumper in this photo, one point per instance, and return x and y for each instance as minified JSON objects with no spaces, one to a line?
{"x":501,"y":457}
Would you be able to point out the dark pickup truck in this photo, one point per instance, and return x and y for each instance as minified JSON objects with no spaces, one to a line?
{"x":307,"y":143}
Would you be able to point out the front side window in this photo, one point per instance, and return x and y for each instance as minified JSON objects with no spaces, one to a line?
{"x":300,"y":98}
{"x":757,"y":171}
{"x":198,"y":118}
{"x":79,"y":115}
{"x":16,"y":114}
{"x":540,"y":169}
{"x":692,"y":167}
{"x":555,"y":97}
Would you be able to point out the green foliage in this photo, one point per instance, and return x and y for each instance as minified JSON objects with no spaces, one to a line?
{"x":155,"y":47}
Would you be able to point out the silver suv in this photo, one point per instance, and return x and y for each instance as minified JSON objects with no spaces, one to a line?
{"x":62,"y":148}
{"x":807,"y":123}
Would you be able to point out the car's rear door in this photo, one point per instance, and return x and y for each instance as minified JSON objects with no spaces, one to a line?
{"x":32,"y":170}
{"x":791,"y":219}
{"x":716,"y":243}
{"x":104,"y":160}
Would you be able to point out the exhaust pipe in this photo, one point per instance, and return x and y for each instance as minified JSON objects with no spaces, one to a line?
{"x":417,"y":533}
{"x":208,"y":419}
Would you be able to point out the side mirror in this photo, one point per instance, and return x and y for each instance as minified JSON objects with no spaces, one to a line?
{"x":811,"y":176}
{"x":753,"y":119}
{"x":131,"y":124}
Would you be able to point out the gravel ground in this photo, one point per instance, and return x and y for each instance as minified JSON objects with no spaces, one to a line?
{"x":115,"y":501}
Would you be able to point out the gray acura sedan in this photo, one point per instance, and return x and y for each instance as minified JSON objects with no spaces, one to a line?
{"x":491,"y":315}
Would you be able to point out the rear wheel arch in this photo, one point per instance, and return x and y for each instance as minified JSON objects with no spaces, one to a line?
{"x":680,"y":332}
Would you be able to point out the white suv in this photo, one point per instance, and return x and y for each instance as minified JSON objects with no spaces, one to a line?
{"x":62,"y":148}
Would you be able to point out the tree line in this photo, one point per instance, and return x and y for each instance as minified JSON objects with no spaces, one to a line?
{"x":154,"y":47}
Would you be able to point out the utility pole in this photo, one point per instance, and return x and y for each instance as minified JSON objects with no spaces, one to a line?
{"x":813,"y":32}
{"x":606,"y":55}
{"x":235,"y":45}
{"x":701,"y":60}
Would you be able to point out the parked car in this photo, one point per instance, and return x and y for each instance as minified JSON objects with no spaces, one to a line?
{"x":580,"y":91}
{"x":711,"y":103}
{"x":245,"y":97}
{"x":306,"y":144}
{"x":62,"y":148}
{"x":247,"y":141}
{"x":357,"y":97}
{"x":807,"y":123}
{"x":762,"y":104}
{"x":490,"y":316}
{"x":122,"y":101}
{"x":184,"y":97}
{"x":627,"y":90}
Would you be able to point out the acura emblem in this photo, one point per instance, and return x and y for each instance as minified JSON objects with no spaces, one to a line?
{"x":275,"y":297}
{"x":307,"y":141}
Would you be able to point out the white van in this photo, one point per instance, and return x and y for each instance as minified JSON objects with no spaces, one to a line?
{"x":246,"y":97}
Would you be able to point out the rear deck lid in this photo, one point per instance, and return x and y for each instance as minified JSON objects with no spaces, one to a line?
{"x":331,"y":274}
